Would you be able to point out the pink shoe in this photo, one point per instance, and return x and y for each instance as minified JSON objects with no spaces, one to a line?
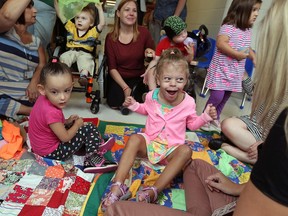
{"x":104,"y":147}
{"x":112,"y":197}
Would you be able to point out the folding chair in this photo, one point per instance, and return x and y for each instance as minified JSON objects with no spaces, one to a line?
{"x":249,"y":69}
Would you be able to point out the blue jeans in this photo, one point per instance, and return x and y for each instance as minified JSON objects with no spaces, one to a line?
{"x":45,"y":21}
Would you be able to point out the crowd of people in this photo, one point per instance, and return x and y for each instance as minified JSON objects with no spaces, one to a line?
{"x":32,"y":86}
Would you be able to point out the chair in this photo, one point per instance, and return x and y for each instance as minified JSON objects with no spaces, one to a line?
{"x":248,"y":69}
{"x":92,"y":97}
{"x":203,"y":62}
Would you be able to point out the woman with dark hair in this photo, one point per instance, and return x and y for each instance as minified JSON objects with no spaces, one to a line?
{"x":126,"y":47}
{"x":10,"y":10}
{"x":21,"y":60}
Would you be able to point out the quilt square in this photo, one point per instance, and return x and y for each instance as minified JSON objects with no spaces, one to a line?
{"x":9,"y":177}
{"x":5,"y":190}
{"x":55,"y":172}
{"x":22,"y":165}
{"x":54,"y":211}
{"x":10,"y":208}
{"x":37,"y":169}
{"x":29,"y":210}
{"x":58,"y":199}
{"x":19,"y":194}
{"x":7,"y":164}
{"x":40,"y":197}
{"x":30,"y":180}
{"x":80,"y":186}
{"x":48,"y":183}
{"x":65,"y":184}
{"x":74,"y":203}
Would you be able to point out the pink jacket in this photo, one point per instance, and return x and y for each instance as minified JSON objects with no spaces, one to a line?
{"x":181,"y":117}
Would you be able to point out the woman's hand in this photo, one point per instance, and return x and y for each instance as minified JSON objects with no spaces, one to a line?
{"x":127,"y":91}
{"x":32,"y":91}
{"x":220,"y":183}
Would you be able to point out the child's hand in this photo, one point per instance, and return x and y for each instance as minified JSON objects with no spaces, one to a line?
{"x":190,"y":48}
{"x":99,"y":5}
{"x":73,"y":117}
{"x":243,"y":54}
{"x":79,"y":122}
{"x":129,"y":101}
{"x":211,"y":111}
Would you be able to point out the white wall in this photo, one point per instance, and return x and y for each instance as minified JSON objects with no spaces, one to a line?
{"x":208,"y":12}
{"x":212,"y":12}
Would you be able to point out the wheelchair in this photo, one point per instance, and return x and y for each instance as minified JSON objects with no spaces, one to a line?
{"x":92,"y":96}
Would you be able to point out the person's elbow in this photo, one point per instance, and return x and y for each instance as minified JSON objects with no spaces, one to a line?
{"x":6,"y":21}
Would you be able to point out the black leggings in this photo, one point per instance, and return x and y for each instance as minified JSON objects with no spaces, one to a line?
{"x":87,"y":135}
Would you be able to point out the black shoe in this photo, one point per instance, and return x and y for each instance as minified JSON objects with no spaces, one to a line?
{"x":94,"y":163}
{"x":215,"y":144}
{"x":124,"y":110}
{"x":95,"y":103}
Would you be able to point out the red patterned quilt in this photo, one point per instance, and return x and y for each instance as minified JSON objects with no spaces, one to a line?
{"x":37,"y":187}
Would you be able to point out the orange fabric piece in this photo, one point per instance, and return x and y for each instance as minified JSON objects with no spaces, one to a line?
{"x":11,"y":133}
{"x":55,"y":171}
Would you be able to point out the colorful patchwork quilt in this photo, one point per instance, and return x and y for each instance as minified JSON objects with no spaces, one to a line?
{"x":32,"y":185}
{"x":144,"y":174}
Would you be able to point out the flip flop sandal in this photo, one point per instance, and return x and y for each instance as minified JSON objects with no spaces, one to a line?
{"x":143,"y":193}
{"x":111,"y":197}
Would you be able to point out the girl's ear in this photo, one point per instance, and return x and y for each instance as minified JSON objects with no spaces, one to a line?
{"x":157,"y":81}
{"x":41,"y":89}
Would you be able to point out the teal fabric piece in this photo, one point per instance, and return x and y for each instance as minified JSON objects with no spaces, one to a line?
{"x":178,"y":199}
{"x":69,"y":8}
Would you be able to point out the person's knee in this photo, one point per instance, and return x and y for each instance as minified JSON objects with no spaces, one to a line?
{"x":134,"y":141}
{"x":185,"y":152}
{"x":227,"y":125}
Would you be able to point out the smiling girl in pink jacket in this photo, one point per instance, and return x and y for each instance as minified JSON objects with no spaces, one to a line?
{"x":169,"y":112}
